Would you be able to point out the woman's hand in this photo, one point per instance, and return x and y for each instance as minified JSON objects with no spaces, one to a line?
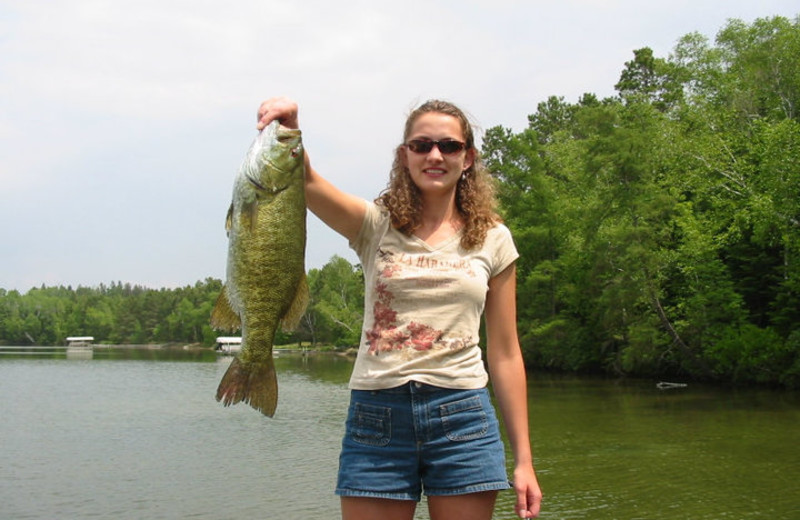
{"x":529,"y":496}
{"x":281,"y":108}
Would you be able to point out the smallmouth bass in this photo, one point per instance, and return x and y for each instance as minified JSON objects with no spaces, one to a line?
{"x":265,"y":277}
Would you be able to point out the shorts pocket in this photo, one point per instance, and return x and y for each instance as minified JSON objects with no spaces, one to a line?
{"x":464,"y":420}
{"x":371,"y":425}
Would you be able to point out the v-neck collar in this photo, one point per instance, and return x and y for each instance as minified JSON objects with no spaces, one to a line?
{"x":439,"y":245}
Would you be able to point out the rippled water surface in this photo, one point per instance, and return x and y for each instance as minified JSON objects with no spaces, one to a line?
{"x":132,"y":435}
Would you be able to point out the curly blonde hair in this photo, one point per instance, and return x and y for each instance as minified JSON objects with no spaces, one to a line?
{"x":475,"y":192}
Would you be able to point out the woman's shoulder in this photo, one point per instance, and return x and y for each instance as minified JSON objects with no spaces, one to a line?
{"x":376,"y":221}
{"x":499,"y":231}
{"x":376,"y":212}
{"x":500,"y":245}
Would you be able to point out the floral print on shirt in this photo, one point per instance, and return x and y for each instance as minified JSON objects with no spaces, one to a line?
{"x":386,"y":334}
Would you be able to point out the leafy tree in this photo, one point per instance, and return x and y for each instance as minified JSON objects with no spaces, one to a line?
{"x":650,"y":80}
{"x":658,"y":231}
{"x":337,"y":295}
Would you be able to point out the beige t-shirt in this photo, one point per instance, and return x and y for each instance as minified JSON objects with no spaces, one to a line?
{"x":423,"y":305}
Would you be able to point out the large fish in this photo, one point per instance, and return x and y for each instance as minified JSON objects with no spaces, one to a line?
{"x":266,"y":282}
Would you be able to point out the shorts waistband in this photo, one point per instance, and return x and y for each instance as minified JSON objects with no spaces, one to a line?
{"x":417,"y":387}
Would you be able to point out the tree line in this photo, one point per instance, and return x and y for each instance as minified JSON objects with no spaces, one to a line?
{"x":124,"y":314}
{"x":115,"y":314}
{"x":659,"y":229}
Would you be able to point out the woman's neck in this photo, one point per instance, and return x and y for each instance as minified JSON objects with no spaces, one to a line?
{"x":440,"y":220}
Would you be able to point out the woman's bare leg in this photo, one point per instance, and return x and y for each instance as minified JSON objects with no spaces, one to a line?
{"x":367,"y":508}
{"x":473,"y":506}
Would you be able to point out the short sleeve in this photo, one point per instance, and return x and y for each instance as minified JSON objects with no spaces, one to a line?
{"x":505,"y":251}
{"x":374,"y":224}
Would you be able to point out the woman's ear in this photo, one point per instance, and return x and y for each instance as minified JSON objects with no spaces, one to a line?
{"x":402,"y":154}
{"x":469,"y":159}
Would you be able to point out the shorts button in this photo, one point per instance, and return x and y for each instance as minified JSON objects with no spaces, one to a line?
{"x":417,"y":384}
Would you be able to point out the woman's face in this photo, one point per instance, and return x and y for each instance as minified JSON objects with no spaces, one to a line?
{"x":435,"y":172}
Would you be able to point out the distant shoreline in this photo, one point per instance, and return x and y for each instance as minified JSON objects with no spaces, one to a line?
{"x":283,"y":349}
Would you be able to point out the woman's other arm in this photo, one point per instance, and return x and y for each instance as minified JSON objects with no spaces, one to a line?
{"x":507,"y":373}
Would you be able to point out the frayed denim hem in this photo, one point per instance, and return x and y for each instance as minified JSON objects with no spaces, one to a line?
{"x":400,"y":495}
{"x":475,"y":488}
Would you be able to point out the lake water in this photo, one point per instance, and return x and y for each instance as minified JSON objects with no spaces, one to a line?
{"x":133,"y":434}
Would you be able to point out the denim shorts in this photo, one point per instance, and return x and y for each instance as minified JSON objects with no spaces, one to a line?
{"x":416,"y":437}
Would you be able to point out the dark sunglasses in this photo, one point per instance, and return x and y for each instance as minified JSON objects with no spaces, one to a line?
{"x":446,"y":146}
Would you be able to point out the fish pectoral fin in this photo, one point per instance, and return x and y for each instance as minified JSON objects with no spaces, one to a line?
{"x":292,"y":317}
{"x":223,"y":316}
{"x":249,"y":215}
{"x":229,"y":220}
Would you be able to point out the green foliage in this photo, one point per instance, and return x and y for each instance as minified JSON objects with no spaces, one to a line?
{"x":335,"y":314}
{"x":749,"y":353}
{"x":126,"y":314}
{"x":651,"y":80}
{"x":659,"y":231}
{"x":116,"y":314}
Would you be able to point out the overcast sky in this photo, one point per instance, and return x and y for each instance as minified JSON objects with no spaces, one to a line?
{"x":122,"y":123}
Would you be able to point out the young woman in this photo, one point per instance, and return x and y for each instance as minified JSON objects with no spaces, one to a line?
{"x":435,"y":258}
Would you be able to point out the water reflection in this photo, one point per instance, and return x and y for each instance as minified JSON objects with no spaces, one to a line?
{"x":331,"y":368}
{"x":136,"y":433}
{"x":609,"y":449}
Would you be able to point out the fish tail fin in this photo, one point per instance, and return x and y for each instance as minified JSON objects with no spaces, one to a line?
{"x":222,"y":315}
{"x":254,"y":383}
{"x":296,"y":310}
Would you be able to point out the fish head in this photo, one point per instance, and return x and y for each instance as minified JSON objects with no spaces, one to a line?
{"x":276,"y":158}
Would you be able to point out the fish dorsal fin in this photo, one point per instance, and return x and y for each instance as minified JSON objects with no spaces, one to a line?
{"x":223,"y":316}
{"x":292,"y":317}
